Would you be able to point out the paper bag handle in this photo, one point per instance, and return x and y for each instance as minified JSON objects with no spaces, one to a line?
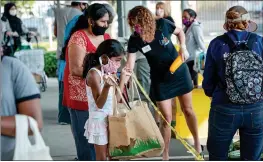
{"x":115,"y":107}
{"x":136,"y":88}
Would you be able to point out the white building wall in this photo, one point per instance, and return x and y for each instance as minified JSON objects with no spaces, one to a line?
{"x":128,"y":5}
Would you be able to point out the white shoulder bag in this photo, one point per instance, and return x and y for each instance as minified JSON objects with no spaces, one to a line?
{"x":24,"y":150}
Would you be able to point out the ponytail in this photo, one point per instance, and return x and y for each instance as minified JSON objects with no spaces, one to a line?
{"x":82,"y":23}
{"x":91,"y":60}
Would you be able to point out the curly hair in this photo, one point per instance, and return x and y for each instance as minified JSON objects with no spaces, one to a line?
{"x":234,"y":13}
{"x":142,"y":16}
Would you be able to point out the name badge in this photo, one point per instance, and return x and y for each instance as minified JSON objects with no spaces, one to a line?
{"x":146,"y":49}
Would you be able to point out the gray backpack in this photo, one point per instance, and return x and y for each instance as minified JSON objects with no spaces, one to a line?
{"x":244,"y":71}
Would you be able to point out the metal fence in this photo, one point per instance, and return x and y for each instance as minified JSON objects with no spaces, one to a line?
{"x":212,"y":14}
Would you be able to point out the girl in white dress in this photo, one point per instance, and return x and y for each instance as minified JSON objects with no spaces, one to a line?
{"x":97,"y":69}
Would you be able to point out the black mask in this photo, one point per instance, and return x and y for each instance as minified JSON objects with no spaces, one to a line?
{"x":98,"y":30}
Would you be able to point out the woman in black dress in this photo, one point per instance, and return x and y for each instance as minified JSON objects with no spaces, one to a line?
{"x":161,"y":11}
{"x":153,"y":38}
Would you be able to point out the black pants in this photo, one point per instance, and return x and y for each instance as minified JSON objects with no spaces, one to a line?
{"x":193,"y":73}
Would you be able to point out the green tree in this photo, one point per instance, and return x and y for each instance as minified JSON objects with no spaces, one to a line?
{"x":22,"y":5}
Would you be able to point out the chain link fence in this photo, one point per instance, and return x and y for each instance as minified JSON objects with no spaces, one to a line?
{"x":212,"y":14}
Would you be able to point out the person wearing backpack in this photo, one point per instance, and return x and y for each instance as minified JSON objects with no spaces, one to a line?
{"x":233,"y":79}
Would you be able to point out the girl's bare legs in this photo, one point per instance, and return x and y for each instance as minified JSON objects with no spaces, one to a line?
{"x":101,"y":152}
{"x":166,"y":109}
{"x":187,"y":109}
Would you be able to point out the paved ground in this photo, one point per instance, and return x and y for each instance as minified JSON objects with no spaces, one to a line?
{"x":60,"y":139}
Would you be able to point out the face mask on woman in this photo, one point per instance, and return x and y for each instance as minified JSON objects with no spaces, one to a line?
{"x":160,"y":12}
{"x":138,"y":29}
{"x":111,"y":67}
{"x":98,"y":30}
{"x":12,"y":12}
{"x":187,"y":22}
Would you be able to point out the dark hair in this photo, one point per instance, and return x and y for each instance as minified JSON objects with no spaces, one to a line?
{"x":191,"y":12}
{"x":109,"y":47}
{"x":7,"y":7}
{"x":95,"y":12}
{"x":14,"y":22}
{"x":75,"y":4}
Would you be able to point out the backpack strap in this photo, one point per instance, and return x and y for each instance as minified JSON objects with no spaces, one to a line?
{"x":252,"y":38}
{"x":249,"y":37}
{"x":227,"y":40}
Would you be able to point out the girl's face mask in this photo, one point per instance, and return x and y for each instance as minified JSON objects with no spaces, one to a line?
{"x":111,"y":67}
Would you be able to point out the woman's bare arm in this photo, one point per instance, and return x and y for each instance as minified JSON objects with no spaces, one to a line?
{"x":76,"y":56}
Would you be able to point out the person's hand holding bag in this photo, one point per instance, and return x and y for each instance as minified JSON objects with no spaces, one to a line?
{"x":125,"y":75}
{"x":108,"y":80}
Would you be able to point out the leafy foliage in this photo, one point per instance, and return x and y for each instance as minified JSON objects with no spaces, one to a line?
{"x":50,"y":64}
{"x":21,"y":4}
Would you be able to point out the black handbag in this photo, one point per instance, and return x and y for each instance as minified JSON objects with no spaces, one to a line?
{"x":7,"y":50}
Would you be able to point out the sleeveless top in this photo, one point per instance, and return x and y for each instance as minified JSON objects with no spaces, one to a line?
{"x":74,"y":95}
{"x":107,"y":108}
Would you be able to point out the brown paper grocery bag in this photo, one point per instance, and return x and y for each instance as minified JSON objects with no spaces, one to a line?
{"x":133,"y":132}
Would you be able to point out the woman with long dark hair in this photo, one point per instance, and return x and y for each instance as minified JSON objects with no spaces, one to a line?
{"x":85,"y":37}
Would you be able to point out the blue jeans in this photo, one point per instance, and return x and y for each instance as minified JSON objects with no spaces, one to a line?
{"x":85,"y":151}
{"x":225,"y":120}
{"x":63,"y":114}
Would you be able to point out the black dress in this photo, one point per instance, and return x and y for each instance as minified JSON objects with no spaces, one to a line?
{"x":160,"y":54}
